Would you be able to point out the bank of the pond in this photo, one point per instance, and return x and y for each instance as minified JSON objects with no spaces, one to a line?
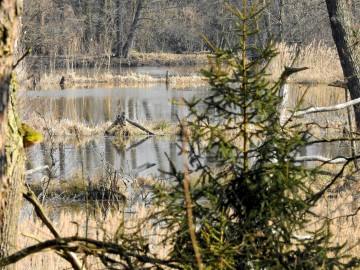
{"x":322,"y":62}
{"x":65,"y":129}
{"x":71,"y":80}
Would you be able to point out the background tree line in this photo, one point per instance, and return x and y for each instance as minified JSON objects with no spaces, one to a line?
{"x":93,"y":28}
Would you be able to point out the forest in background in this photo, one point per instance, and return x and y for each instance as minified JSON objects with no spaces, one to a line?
{"x":82,"y":30}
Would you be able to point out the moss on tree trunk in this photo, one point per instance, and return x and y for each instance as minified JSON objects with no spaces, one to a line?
{"x":15,"y":173}
{"x":11,"y":150}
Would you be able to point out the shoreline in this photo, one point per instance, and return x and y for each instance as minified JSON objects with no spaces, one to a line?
{"x":322,"y":62}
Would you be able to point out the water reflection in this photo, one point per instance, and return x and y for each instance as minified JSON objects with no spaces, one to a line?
{"x":146,"y":103}
{"x":102,"y":104}
{"x":93,"y":158}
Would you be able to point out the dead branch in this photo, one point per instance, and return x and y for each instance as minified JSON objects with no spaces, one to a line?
{"x":339,"y":84}
{"x":85,"y":245}
{"x":139,"y":126}
{"x":141,"y":168}
{"x":30,"y":196}
{"x":326,"y":109}
{"x":38,"y":169}
{"x":337,"y":160}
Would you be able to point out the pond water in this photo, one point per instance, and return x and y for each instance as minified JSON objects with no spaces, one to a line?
{"x":140,"y":103}
{"x":102,"y":104}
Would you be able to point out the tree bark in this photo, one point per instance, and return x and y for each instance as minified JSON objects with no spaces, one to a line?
{"x":11,"y":148}
{"x":126,"y":51}
{"x":348,"y":49}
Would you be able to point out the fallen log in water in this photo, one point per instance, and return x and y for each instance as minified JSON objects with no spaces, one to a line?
{"x":139,"y":126}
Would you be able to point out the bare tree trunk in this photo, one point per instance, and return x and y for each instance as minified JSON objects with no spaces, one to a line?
{"x":118,"y":24}
{"x":11,"y":150}
{"x":347,"y":47}
{"x":281,"y":20}
{"x":126,"y":51}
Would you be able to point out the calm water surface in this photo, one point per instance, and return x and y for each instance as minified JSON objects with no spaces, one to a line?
{"x":140,"y":103}
{"x":102,"y":104}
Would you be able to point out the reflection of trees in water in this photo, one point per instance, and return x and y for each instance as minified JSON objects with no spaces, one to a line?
{"x":99,"y":105}
{"x":109,"y":152}
{"x":87,"y":106}
{"x":62,"y":160}
{"x":89,"y":158}
{"x":146,"y":110}
{"x":131,"y":108}
{"x":107,"y":108}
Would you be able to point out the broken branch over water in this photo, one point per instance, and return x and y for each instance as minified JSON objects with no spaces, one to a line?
{"x":326,"y":109}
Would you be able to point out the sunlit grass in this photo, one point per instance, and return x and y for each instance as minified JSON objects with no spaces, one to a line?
{"x":103,"y":225}
{"x":63,"y":130}
{"x":322,"y":61}
{"x":170,"y":59}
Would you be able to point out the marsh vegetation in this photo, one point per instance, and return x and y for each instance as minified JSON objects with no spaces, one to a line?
{"x":223,"y":183}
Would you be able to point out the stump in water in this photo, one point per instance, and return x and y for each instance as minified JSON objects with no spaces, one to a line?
{"x":118,"y":127}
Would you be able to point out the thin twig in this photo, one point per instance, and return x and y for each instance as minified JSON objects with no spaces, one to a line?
{"x":21,"y":58}
{"x":188,"y":198}
{"x":30,"y":196}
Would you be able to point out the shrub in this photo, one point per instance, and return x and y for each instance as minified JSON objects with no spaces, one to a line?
{"x":248,"y":213}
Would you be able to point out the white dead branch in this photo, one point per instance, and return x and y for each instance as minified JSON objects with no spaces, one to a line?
{"x":36,"y":170}
{"x":327,"y":109}
{"x":284,"y":119}
{"x":322,"y":159}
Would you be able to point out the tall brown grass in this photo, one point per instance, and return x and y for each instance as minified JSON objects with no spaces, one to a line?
{"x":100,"y":226}
{"x":65,"y":130}
{"x":51,"y":80}
{"x":338,"y":207}
{"x":322,"y":61}
{"x":341,"y":209}
{"x":169,"y":59}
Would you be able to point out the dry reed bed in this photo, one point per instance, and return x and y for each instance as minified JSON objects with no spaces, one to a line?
{"x":345,"y":222}
{"x":322,"y":61}
{"x":129,"y":80}
{"x":169,"y":59}
{"x":101,"y":226}
{"x":61,"y":130}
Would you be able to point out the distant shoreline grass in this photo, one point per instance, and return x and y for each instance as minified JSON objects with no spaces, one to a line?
{"x":322,"y":62}
{"x":66,"y":129}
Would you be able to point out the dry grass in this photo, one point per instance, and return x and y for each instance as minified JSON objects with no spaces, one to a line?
{"x":62,"y":126}
{"x":323,"y":63}
{"x":110,"y":185}
{"x":48,"y":81}
{"x":345,"y":225}
{"x":329,"y":124}
{"x":78,"y":132}
{"x":169,"y":59}
{"x":101,"y":226}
